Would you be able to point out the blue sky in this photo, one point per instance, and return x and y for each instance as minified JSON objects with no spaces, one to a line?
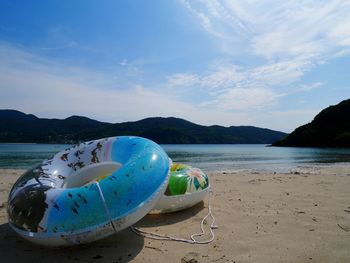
{"x":263,"y":63}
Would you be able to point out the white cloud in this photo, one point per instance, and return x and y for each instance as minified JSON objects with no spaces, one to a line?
{"x":203,"y":19}
{"x":289,"y":38}
{"x":182,"y":80}
{"x":223,"y":76}
{"x":342,"y":53}
{"x":216,"y":18}
{"x":309,"y":87}
{"x":236,"y":88}
{"x":280,"y":73}
{"x":305,"y":29}
{"x":247,"y":99}
{"x":220,"y":76}
{"x":277,"y":30}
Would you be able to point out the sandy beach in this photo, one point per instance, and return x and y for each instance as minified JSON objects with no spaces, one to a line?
{"x":299,"y":216}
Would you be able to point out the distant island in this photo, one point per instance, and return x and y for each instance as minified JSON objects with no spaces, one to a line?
{"x":330,"y":128}
{"x":16,"y":126}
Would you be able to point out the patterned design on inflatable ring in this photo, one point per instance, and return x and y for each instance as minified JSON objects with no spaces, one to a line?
{"x":88,"y":191}
{"x":187,"y":186}
{"x":185,"y":179}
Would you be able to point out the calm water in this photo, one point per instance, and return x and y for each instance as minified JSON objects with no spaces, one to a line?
{"x":207,"y":157}
{"x":253,"y":156}
{"x":26,"y":155}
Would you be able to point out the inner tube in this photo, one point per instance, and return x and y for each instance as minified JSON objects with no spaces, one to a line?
{"x":187,"y":187}
{"x":89,"y":191}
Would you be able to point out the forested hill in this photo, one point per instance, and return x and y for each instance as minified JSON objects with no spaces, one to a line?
{"x":330,"y":128}
{"x":17,"y":126}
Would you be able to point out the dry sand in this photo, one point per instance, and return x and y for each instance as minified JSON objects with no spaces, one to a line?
{"x":301,"y":216}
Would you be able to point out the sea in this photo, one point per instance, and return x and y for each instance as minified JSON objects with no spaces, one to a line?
{"x":208,"y":157}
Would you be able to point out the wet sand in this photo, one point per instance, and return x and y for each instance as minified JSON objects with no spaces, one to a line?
{"x":299,"y":216}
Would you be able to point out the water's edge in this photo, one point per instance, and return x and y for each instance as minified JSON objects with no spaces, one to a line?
{"x":223,"y":157}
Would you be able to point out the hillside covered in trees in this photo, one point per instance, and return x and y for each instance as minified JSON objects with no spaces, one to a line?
{"x":17,"y":126}
{"x":330,"y":128}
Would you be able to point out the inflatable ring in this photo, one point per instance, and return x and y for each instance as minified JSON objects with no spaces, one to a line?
{"x":89,"y":191}
{"x":187,"y":186}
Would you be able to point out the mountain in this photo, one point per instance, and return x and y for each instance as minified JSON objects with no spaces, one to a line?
{"x":17,"y":126}
{"x":330,"y":128}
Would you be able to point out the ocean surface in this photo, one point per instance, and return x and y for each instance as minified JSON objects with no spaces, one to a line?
{"x":227,"y":157}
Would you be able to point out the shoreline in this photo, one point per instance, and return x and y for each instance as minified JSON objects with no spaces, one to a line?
{"x":302,"y":167}
{"x":299,"y":216}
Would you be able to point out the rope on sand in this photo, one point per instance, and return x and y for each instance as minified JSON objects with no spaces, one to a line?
{"x":193,"y":237}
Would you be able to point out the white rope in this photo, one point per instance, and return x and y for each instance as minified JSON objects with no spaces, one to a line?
{"x":193,"y":239}
{"x":105,"y":205}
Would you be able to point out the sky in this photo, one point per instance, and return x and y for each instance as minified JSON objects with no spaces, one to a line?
{"x":270,"y":64}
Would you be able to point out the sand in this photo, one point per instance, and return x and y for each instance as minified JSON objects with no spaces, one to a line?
{"x":299,"y":216}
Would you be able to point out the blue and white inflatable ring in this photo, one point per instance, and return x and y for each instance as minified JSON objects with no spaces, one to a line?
{"x":89,"y":191}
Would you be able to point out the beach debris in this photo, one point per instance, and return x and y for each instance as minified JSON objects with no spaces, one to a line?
{"x":345,"y":228}
{"x":190,"y":258}
{"x":256,"y":181}
{"x":219,"y":259}
{"x":154,"y":248}
{"x":187,"y":260}
{"x":348,"y":211}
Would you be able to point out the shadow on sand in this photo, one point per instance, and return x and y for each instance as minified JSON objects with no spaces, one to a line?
{"x":121,"y":247}
{"x":154,"y":220}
